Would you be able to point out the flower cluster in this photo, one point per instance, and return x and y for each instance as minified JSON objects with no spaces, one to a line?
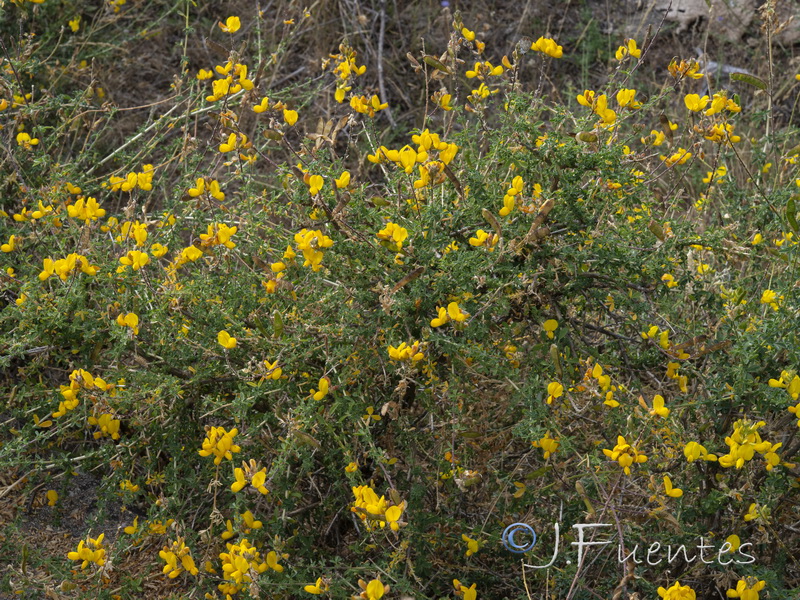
{"x":406,"y":352}
{"x":108,"y":426}
{"x":142,"y":179}
{"x":310,"y":243}
{"x":375,"y":511}
{"x":743,"y":444}
{"x":232,"y":78}
{"x":252,"y":473}
{"x":242,"y":564}
{"x":90,"y":551}
{"x":452,"y":313}
{"x":178,"y":558}
{"x":64,"y":267}
{"x":85,"y":209}
{"x":625,"y":454}
{"x":78,"y":379}
{"x":219,"y":443}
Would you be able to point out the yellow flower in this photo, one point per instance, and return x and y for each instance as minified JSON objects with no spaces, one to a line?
{"x":586,"y":98}
{"x":392,"y":236}
{"x":600,"y":108}
{"x":671,"y":491}
{"x":11,"y":245}
{"x":406,"y":352}
{"x":26,"y":141}
{"x":626,"y":97}
{"x":352,"y":467}
{"x":455,"y":313}
{"x":250,"y":472}
{"x":625,"y":454}
{"x":547,"y":444}
{"x":694,"y":450}
{"x":772,"y":299}
{"x":442,"y":317}
{"x":548,"y":46}
{"x":343,"y":181}
{"x":472,"y":545}
{"x":470,"y":35}
{"x":695,"y":103}
{"x":630,"y":48}
{"x":225,"y":340}
{"x":134,"y":259}
{"x":554,"y":390}
{"x":52,"y":497}
{"x":679,"y":157}
{"x":75,"y":24}
{"x":324,"y":386}
{"x":262,"y":106}
{"x":466,"y":593}
{"x":290,"y":116}
{"x":482,"y":238}
{"x":231,"y":25}
{"x":734,"y":541}
{"x":658,"y":407}
{"x":90,"y":551}
{"x":677,"y":592}
{"x":178,"y":558}
{"x":274,"y":372}
{"x":549,"y":327}
{"x":315,"y":183}
{"x":747,"y":589}
{"x":129,"y":320}
{"x":375,"y":590}
{"x":219,"y":443}
{"x":317,"y":588}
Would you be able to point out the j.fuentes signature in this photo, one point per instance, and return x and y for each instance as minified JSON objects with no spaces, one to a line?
{"x":521,"y":537}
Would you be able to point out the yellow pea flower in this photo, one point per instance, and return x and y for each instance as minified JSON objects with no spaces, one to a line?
{"x":324,"y":387}
{"x":26,"y":141}
{"x":225,"y":340}
{"x":231,"y":25}
{"x":455,"y":313}
{"x":315,"y":183}
{"x":658,"y":407}
{"x":626,"y":97}
{"x":11,"y":245}
{"x":375,"y":590}
{"x":134,"y":259}
{"x":677,"y":592}
{"x":290,"y":116}
{"x":343,"y":181}
{"x":747,"y":589}
{"x":548,"y":46}
{"x":630,"y":48}
{"x":695,"y":103}
{"x":549,"y":327}
{"x":262,"y":106}
{"x":442,"y":317}
{"x":554,"y":390}
{"x":52,"y":497}
{"x":472,"y":545}
{"x":672,"y":492}
{"x":317,"y":588}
